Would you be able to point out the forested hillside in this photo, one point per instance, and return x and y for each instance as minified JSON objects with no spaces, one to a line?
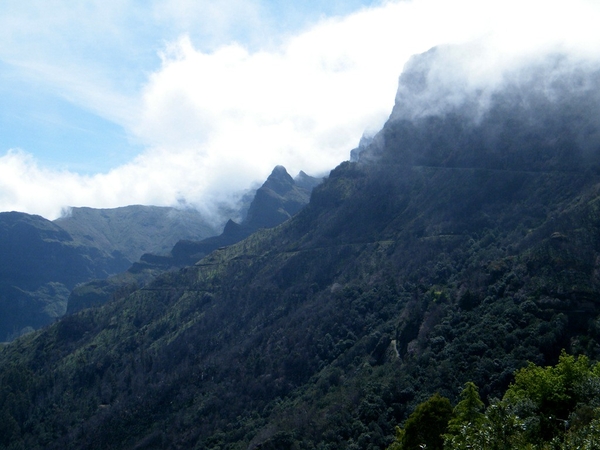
{"x":81,"y":259}
{"x":544,"y":408}
{"x":42,"y":261}
{"x":278,"y":199}
{"x":40,"y":264}
{"x":456,"y":249}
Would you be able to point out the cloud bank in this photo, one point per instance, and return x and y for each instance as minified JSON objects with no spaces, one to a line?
{"x":213,"y":122}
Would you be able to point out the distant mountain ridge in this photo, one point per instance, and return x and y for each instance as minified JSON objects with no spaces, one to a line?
{"x":136,"y":229}
{"x":277,"y":200}
{"x":43,"y":261}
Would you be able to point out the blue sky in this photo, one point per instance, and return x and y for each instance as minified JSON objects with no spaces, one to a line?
{"x":112,"y":102}
{"x":63,"y":133}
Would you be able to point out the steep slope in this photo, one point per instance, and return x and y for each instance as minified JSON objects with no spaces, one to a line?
{"x":135,"y":230}
{"x":278,"y":199}
{"x":458,"y":247}
{"x":43,"y":261}
{"x":40,"y":264}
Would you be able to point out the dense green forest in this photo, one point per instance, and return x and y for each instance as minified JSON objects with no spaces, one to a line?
{"x":544,"y":408}
{"x":453,"y":251}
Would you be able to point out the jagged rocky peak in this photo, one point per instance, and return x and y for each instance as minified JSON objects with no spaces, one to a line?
{"x":278,"y":199}
{"x":231,"y":226}
{"x":279,"y":171}
{"x":302,"y":178}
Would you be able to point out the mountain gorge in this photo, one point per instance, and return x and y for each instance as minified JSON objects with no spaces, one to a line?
{"x":462,"y":243}
{"x":43,"y":260}
{"x":277,"y":200}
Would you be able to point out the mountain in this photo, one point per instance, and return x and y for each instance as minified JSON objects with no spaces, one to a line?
{"x":95,"y":244}
{"x":43,"y":261}
{"x":462,"y":243}
{"x":135,"y":230}
{"x":277,"y":200}
{"x":40,"y":264}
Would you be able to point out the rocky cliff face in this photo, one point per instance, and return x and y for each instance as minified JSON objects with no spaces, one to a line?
{"x":541,"y":117}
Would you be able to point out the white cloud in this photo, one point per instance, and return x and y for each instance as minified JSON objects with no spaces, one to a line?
{"x":215,"y":121}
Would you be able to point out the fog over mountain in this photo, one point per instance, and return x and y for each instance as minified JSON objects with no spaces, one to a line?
{"x":462,"y":243}
{"x":553,"y":101}
{"x":207,"y":121}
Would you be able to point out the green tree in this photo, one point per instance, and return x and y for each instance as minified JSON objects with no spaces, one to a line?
{"x":469,"y":410}
{"x":426,"y":426}
{"x":552,"y":397}
{"x":555,"y":407}
{"x":468,"y":416}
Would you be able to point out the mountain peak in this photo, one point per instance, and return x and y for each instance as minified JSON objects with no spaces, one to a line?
{"x":279,"y":181}
{"x":305,"y":181}
{"x":279,"y":170}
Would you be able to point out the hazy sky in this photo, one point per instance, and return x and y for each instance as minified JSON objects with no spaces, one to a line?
{"x":115,"y":102}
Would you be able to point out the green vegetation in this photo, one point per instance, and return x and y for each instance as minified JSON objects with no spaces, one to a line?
{"x":323,"y":332}
{"x":274,"y":202}
{"x":455,"y":252}
{"x":426,"y":426}
{"x":554,"y":407}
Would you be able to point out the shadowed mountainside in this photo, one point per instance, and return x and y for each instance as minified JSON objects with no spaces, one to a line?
{"x":44,"y":261}
{"x":40,"y":264}
{"x":456,"y":248}
{"x":277,"y":200}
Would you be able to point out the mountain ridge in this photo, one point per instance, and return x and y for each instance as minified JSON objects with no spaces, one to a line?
{"x":429,"y":262}
{"x":45,"y":261}
{"x":277,"y":200}
{"x":136,"y":229}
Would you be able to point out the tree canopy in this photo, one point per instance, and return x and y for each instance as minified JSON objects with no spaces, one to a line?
{"x":544,"y":408}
